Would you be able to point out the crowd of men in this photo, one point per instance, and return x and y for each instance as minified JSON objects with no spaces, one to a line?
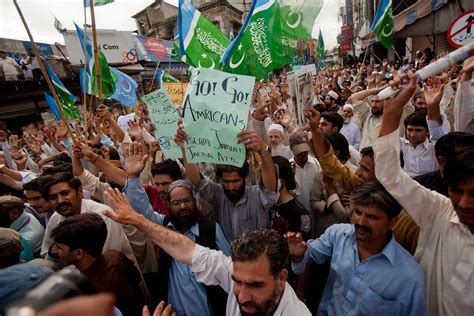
{"x":366,"y":208}
{"x":26,"y":69}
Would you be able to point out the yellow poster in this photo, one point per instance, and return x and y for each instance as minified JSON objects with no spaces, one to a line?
{"x":176,"y":91}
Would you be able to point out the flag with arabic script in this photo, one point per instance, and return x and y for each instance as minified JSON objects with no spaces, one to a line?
{"x":201,"y":42}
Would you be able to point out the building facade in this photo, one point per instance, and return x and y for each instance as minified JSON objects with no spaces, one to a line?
{"x":417,"y":24}
{"x":160,"y":19}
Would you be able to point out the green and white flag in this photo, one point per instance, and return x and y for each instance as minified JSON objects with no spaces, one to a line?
{"x":297,"y":19}
{"x":175,"y":51}
{"x":65,"y":97}
{"x":269,"y":37}
{"x":320,"y":50}
{"x":59,"y":26}
{"x":383,"y":24}
{"x":107,"y":78}
{"x":258,"y":48}
{"x":201,"y":43}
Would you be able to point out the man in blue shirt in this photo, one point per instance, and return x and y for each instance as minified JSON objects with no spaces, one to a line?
{"x":371,"y":274}
{"x":180,"y":289}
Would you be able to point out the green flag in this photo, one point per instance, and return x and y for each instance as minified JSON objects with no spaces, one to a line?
{"x":382,"y":25}
{"x":320,"y":50}
{"x":164,"y":76}
{"x":65,"y":97}
{"x":175,"y":51}
{"x":107,"y":78}
{"x":269,"y":37}
{"x":297,"y":20}
{"x":258,"y":48}
{"x":201,"y":42}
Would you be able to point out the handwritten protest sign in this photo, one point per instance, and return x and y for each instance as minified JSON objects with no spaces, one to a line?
{"x":214,"y":110}
{"x":176,"y":91}
{"x":164,"y":116}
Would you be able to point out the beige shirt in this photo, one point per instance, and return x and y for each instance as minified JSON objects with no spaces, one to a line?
{"x":464,"y":107}
{"x":142,"y":246}
{"x":9,"y":66}
{"x":370,"y":124}
{"x":116,"y":239}
{"x":445,"y":247}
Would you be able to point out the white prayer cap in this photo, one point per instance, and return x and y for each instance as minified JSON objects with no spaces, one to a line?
{"x":348,"y":106}
{"x":333,"y":95}
{"x":276,"y":127}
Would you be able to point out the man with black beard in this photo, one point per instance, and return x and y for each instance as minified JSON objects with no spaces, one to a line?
{"x":178,"y":286}
{"x":371,"y":274}
{"x":370,"y":116}
{"x":255,"y":273}
{"x":239,"y":207}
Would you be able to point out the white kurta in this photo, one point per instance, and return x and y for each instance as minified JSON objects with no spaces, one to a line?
{"x":445,"y":247}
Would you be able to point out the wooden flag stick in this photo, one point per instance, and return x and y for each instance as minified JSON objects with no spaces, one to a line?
{"x":96,"y":53}
{"x":154,"y":76}
{"x":45,"y":73}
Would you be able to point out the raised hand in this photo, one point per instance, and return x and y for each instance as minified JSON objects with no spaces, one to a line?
{"x":87,"y":152}
{"x":313,"y":117}
{"x":35,"y":147}
{"x":105,"y":151}
{"x":123,"y":212}
{"x":160,"y":310}
{"x":104,"y":113}
{"x":3,"y":135}
{"x":434,"y":93}
{"x":77,"y":152}
{"x":180,"y":136}
{"x":393,"y":107}
{"x":135,"y":160}
{"x":251,"y":141}
{"x":14,"y":142}
{"x":134,"y":130}
{"x":61,"y":130}
{"x":50,"y":132}
{"x":297,"y":246}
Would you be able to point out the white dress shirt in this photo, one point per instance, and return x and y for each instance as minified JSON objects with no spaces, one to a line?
{"x":445,"y":247}
{"x":309,"y":184}
{"x":418,"y":160}
{"x":212,"y":267}
{"x":116,"y":239}
{"x":352,"y":133}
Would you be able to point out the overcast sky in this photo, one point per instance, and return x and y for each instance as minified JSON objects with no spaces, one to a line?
{"x":117,"y":15}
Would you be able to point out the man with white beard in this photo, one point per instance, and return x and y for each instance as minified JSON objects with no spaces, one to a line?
{"x":276,"y":134}
{"x":350,"y":129}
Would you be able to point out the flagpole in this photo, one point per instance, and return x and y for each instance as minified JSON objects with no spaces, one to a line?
{"x":363,"y":60}
{"x":84,"y":79}
{"x":43,"y":70}
{"x":96,"y":53}
{"x":84,"y":101}
{"x":154,"y":76}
